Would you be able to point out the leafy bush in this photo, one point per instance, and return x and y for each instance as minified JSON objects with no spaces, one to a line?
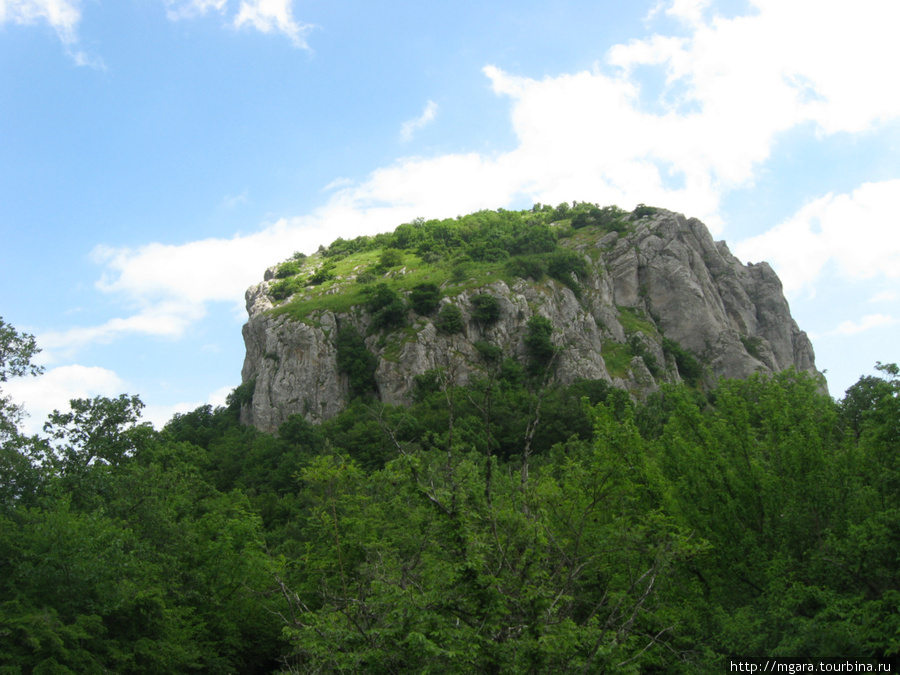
{"x":537,"y":340}
{"x":357,"y":362}
{"x":425,"y":298}
{"x":285,"y":288}
{"x":561,"y":212}
{"x":241,"y":395}
{"x":287,"y":269}
{"x":365,"y":277}
{"x":638,"y":348}
{"x":450,"y":320}
{"x":323,"y":274}
{"x":485,"y":308}
{"x":561,"y":265}
{"x":425,"y":384}
{"x":459,"y":272}
{"x":490,"y":254}
{"x":386,"y":307}
{"x":689,"y":367}
{"x":390,"y":257}
{"x":609,"y":218}
{"x":753,"y":345}
{"x":341,"y":248}
{"x":527,"y":267}
{"x":489,"y":351}
{"x":642,"y":210}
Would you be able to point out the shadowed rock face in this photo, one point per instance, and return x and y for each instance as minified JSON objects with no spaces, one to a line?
{"x":667,"y":278}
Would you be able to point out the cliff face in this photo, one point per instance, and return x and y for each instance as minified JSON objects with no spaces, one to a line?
{"x":666,"y":278}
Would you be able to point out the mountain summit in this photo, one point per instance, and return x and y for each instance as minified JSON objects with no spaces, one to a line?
{"x":636,"y":299}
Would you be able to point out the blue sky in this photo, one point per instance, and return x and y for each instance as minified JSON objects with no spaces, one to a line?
{"x":157,"y":155}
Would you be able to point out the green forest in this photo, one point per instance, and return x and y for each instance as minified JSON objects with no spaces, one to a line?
{"x":509,"y":526}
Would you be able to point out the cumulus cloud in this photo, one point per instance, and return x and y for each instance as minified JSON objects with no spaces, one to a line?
{"x":410,"y":127}
{"x":55,"y":388}
{"x":62,"y":15}
{"x":858,"y":232}
{"x":730,"y":87}
{"x":272,"y":15}
{"x":167,"y":319}
{"x":266,"y":16}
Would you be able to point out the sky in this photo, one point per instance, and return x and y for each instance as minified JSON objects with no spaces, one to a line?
{"x":156,"y":156}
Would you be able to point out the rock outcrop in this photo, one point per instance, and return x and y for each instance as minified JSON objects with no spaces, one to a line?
{"x":664,"y":283}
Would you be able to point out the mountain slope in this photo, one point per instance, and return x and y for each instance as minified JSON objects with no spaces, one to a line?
{"x":634,"y":299}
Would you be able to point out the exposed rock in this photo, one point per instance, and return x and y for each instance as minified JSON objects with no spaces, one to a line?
{"x":667,"y":278}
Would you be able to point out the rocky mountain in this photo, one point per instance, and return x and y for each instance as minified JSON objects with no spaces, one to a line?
{"x":641,"y":299}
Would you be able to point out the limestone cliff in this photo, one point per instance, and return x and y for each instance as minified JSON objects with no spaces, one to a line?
{"x":655,"y":294}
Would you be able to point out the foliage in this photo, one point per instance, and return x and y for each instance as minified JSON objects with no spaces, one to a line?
{"x":444,"y":563}
{"x":642,"y":211}
{"x":16,"y":353}
{"x":386,"y":307}
{"x":688,"y":366}
{"x":450,"y":320}
{"x":485,"y":528}
{"x":365,"y":277}
{"x":538,"y":341}
{"x":17,"y":350}
{"x":639,"y":348}
{"x":459,"y":254}
{"x":242,"y":395}
{"x":485,"y":308}
{"x":288,"y":268}
{"x":490,"y":352}
{"x":123,"y":559}
{"x":356,"y":361}
{"x":323,"y":274}
{"x":532,"y":267}
{"x":610,"y":218}
{"x":285,"y":288}
{"x":634,"y":320}
{"x":390,"y":257}
{"x":753,"y":345}
{"x":425,"y":298}
{"x":568,"y":267}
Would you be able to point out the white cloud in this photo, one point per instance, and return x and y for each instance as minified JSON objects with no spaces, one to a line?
{"x":867,"y":323}
{"x":164,"y":319}
{"x":410,"y":127}
{"x":339,"y":182}
{"x":55,"y":388}
{"x":160,"y":415}
{"x":62,"y":15}
{"x":272,"y":15}
{"x":859,"y":232}
{"x":732,"y":85}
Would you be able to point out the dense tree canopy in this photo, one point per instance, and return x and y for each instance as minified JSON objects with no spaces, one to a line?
{"x":507,"y":526}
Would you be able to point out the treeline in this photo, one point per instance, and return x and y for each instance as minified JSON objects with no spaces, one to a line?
{"x":489,"y":236}
{"x":500,"y":527}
